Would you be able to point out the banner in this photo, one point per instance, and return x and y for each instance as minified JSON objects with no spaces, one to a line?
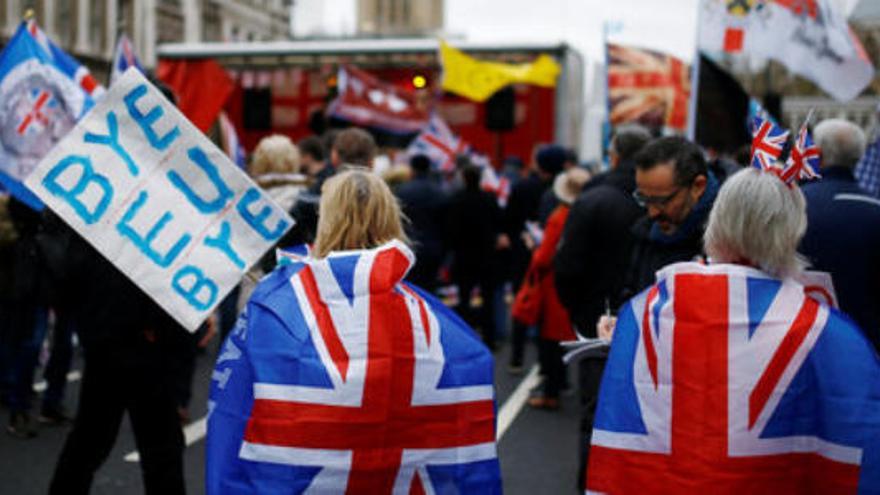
{"x":39,"y":103}
{"x":810,"y":37}
{"x":648,"y":88}
{"x":162,"y":203}
{"x":366,"y":101}
{"x":478,"y":80}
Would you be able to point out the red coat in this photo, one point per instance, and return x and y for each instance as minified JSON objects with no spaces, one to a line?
{"x":554,"y":321}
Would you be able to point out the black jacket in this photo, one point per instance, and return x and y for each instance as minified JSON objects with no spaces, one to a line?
{"x":473,"y":225}
{"x":593,"y":252}
{"x":114,"y":317}
{"x":425,"y":205}
{"x":843,"y":238}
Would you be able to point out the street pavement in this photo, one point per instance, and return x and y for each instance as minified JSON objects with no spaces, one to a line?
{"x":538,"y":449}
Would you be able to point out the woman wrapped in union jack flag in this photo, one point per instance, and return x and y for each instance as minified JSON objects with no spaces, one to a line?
{"x":737,"y":376}
{"x":342,"y":378}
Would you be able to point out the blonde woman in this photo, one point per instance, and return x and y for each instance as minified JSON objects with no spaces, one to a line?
{"x":341,"y":378}
{"x":275,"y":166}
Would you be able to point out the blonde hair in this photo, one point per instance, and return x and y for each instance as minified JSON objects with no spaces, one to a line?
{"x":757,"y":218}
{"x":357,"y":211}
{"x":275,"y":154}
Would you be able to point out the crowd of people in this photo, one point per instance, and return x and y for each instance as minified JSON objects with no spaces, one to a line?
{"x":569,"y":245}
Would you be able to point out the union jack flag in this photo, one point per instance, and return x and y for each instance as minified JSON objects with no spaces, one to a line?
{"x":124,"y":58}
{"x":803,"y":163}
{"x":768,"y":140}
{"x":724,"y":380}
{"x":647,"y":87}
{"x":339,"y":378}
{"x":439,"y":144}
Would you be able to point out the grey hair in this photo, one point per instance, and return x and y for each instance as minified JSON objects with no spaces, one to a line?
{"x":758,"y":218}
{"x":842,"y":142}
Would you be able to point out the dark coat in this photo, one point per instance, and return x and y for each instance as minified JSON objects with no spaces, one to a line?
{"x":425,"y":205}
{"x":522,"y":206}
{"x":843,"y":238}
{"x":114,"y":317}
{"x":593,"y":252}
{"x":473,"y":225}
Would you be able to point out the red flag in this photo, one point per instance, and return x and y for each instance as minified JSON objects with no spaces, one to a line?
{"x":202,"y":88}
{"x":367,"y":101}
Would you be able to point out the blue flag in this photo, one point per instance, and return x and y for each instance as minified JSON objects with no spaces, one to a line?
{"x":724,"y":380}
{"x":340,"y":378}
{"x":40,"y":101}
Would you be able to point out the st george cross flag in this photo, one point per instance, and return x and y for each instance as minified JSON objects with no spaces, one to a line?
{"x":647,"y":87}
{"x":723,"y":380}
{"x":124,"y":58}
{"x":367,"y":101}
{"x":40,"y":101}
{"x":439,"y":144}
{"x":810,"y":37}
{"x":341,"y":378}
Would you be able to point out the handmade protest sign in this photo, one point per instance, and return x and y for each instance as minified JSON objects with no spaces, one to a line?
{"x":150,"y":192}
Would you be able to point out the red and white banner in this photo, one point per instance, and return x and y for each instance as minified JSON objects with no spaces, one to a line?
{"x":810,"y":37}
{"x":366,"y":101}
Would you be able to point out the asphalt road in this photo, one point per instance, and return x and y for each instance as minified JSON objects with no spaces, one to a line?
{"x":538,"y":450}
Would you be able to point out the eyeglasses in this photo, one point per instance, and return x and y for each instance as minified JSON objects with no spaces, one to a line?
{"x":658,"y":201}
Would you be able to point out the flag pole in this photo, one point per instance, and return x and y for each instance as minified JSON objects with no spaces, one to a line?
{"x":695,"y":81}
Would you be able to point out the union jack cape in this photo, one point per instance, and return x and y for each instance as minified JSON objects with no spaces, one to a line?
{"x":340,"y":378}
{"x":724,"y":380}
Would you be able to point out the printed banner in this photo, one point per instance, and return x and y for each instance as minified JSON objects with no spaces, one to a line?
{"x":167,"y":207}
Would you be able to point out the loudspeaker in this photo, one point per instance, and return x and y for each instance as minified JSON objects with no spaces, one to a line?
{"x":499,"y":110}
{"x":257,"y":109}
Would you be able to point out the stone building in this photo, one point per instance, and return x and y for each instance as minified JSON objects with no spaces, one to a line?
{"x":88,"y":28}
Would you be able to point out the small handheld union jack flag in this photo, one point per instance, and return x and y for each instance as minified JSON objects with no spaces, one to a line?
{"x":803,"y":163}
{"x":768,"y":141}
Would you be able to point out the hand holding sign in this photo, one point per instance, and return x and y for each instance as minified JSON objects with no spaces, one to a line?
{"x":151,"y":193}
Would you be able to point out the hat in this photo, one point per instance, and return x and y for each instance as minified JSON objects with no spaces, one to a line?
{"x":568,"y":185}
{"x":550,"y":158}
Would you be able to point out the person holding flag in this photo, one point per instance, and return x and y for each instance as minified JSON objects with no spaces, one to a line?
{"x":730,"y":377}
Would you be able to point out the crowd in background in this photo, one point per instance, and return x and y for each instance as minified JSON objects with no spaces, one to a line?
{"x":570,"y":242}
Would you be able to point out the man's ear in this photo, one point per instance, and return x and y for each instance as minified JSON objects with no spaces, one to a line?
{"x":699,"y":186}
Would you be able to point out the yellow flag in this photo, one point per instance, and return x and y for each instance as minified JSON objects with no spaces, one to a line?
{"x":478,"y":80}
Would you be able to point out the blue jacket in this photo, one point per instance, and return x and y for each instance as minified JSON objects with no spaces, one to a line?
{"x":843,"y":238}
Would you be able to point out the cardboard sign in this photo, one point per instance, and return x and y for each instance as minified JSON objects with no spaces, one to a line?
{"x":159,"y":200}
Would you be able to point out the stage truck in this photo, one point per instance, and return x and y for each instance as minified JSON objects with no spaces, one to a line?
{"x":286,"y":87}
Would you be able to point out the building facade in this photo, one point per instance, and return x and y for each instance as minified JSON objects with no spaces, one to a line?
{"x":88,"y":28}
{"x":395,"y":18}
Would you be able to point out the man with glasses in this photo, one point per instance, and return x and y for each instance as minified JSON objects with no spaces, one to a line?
{"x":675,"y":186}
